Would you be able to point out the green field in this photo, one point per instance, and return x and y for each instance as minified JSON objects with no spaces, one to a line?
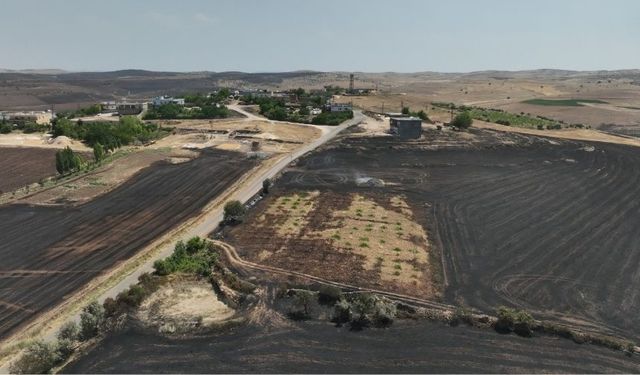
{"x":512,"y":119}
{"x":563,"y":102}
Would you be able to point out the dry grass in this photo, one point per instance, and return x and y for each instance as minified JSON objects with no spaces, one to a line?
{"x":390,"y":240}
{"x":182,"y":305}
{"x":295,"y":209}
{"x":384,"y":234}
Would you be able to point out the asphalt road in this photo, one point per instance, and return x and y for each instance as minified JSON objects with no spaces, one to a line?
{"x":207,"y":224}
{"x":245,"y":192}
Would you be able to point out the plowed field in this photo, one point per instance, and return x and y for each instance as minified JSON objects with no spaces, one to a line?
{"x":47,"y":253}
{"x":545,"y":225}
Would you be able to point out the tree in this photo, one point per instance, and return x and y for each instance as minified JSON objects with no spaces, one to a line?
{"x":98,"y":152}
{"x":422,"y":115}
{"x":38,"y":358}
{"x":462,"y":120}
{"x":304,"y":111}
{"x":68,"y":161}
{"x":234,"y":212}
{"x":91,"y":320}
{"x":406,"y":110}
{"x":266,"y":184}
{"x":304,"y":299}
{"x":69,"y":331}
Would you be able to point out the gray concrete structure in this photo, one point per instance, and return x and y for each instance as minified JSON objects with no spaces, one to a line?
{"x":406,"y":127}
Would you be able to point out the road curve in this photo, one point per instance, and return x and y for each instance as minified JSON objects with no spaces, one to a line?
{"x":206,"y":224}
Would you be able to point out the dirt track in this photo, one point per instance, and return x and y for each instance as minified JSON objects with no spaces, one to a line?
{"x":318,"y":347}
{"x":50,"y":252}
{"x":544,"y":225}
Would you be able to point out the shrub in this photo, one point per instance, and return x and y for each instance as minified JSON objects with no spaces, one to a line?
{"x":98,"y":152}
{"x":69,"y":331}
{"x":303,"y":300}
{"x":91,"y":320}
{"x":462,"y":120}
{"x":266,"y":184}
{"x":342,"y":312}
{"x":196,"y":257}
{"x":68,"y":161}
{"x":511,"y":320}
{"x":329,"y":295}
{"x":38,"y":358}
{"x":5,"y":128}
{"x":131,"y":297}
{"x":234,"y":212}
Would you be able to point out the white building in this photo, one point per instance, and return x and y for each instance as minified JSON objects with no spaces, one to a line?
{"x":162,"y":100}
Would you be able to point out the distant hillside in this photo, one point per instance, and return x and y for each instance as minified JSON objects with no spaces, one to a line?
{"x":33,"y":89}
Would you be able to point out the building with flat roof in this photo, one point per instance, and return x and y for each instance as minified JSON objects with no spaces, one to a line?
{"x":129,"y":108}
{"x":406,"y":127}
{"x":39,"y":117}
{"x":339,"y":107}
{"x":162,"y":100}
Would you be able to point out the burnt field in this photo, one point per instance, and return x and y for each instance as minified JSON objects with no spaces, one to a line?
{"x":543,"y":225}
{"x":49,"y":252}
{"x":318,"y":347}
{"x":22,"y":166}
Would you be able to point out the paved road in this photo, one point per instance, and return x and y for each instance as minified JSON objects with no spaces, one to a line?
{"x":204,"y":226}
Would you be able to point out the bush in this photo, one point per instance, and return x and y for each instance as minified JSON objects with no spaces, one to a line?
{"x":511,"y":320}
{"x":332,"y":118}
{"x":91,"y":320}
{"x":131,"y":297}
{"x":5,"y":128}
{"x":196,"y":257}
{"x":98,"y":152}
{"x":68,"y":161}
{"x":234,"y":212}
{"x":342,"y":312}
{"x":462,"y":120}
{"x":38,"y":358}
{"x":329,"y":295}
{"x":266,"y":184}
{"x":110,"y":135}
{"x":303,"y":300}
{"x":69,"y":331}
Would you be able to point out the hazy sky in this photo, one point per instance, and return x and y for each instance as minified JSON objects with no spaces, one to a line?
{"x":347,"y":35}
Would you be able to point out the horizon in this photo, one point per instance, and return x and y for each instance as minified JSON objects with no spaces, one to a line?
{"x":64,"y":71}
{"x":283,"y":36}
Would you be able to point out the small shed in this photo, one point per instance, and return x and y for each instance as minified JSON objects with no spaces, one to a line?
{"x":406,"y":127}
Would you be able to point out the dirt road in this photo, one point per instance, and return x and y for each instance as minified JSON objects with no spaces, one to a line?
{"x":211,"y":219}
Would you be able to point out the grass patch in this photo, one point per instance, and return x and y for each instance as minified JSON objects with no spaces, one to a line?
{"x":563,"y":102}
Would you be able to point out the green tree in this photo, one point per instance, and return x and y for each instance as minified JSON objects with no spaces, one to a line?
{"x":38,"y":358}
{"x":422,"y":115}
{"x":98,"y":152}
{"x":91,"y":320}
{"x":462,"y":120}
{"x":234,"y":212}
{"x":68,"y":161}
{"x":406,"y":111}
{"x":303,"y":300}
{"x":266,"y":184}
{"x":304,"y":111}
{"x":69,"y":331}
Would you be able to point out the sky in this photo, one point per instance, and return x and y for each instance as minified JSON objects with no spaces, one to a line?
{"x":327,"y":35}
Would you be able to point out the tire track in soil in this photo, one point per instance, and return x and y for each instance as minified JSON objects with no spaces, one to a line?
{"x":72,"y":245}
